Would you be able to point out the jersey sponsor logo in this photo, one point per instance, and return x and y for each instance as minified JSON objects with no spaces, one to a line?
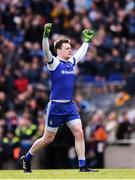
{"x":67,"y":72}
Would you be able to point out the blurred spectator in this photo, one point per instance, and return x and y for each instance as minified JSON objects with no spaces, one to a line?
{"x":3,"y":147}
{"x":83,"y":105}
{"x":125,"y":128}
{"x":96,"y":137}
{"x":130,"y":87}
{"x":111,"y":126}
{"x":122,"y":98}
{"x":21,"y":83}
{"x":3,"y":104}
{"x":26,"y":131}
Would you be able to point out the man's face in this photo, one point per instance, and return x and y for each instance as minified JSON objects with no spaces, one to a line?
{"x":65,"y":52}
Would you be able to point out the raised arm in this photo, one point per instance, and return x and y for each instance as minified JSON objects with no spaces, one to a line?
{"x":45,"y":43}
{"x":88,"y":35}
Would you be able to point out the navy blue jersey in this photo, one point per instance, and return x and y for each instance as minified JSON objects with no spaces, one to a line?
{"x":63,"y":75}
{"x":62,"y":79}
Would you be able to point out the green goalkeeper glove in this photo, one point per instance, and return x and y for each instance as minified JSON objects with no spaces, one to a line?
{"x":88,"y":35}
{"x":47,"y":29}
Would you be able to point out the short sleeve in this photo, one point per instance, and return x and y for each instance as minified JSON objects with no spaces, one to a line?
{"x":73,"y":60}
{"x":52,"y":65}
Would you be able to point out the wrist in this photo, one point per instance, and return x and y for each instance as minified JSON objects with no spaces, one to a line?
{"x":45,"y":35}
{"x":86,"y":40}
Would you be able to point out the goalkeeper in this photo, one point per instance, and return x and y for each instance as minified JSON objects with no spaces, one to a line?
{"x":61,"y":108}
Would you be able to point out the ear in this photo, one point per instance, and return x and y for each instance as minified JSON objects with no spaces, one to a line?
{"x":58,"y":51}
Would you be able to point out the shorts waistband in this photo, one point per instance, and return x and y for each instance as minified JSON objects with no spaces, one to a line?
{"x":61,"y":101}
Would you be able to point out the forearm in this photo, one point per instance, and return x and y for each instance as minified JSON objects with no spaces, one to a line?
{"x":46,"y":50}
{"x":87,"y":37}
{"x":81,"y":52}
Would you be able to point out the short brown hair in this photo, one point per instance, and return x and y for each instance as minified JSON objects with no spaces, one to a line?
{"x":58,"y":43}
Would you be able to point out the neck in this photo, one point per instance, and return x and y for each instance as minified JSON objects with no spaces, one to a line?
{"x":61,"y":58}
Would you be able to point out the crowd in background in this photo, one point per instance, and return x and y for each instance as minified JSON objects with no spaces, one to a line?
{"x":24,"y":78}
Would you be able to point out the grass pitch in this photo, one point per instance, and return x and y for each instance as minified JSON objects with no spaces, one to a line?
{"x":69,"y":174}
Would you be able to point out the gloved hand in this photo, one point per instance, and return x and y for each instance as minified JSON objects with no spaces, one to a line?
{"x":47,"y":29}
{"x":88,"y":35}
